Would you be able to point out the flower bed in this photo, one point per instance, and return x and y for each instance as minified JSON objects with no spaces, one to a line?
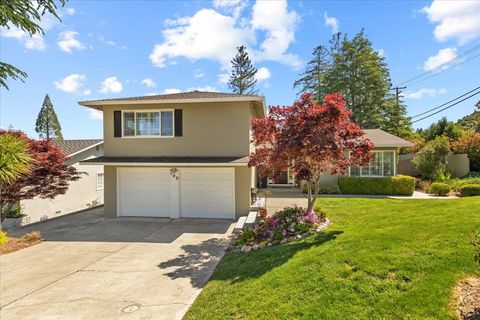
{"x":291,"y":223}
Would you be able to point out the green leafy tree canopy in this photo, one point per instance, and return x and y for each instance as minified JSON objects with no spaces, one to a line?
{"x":431,"y":160}
{"x":47,"y":125}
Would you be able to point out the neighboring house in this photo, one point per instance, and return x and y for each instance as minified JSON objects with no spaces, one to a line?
{"x":85,"y":192}
{"x":178,"y":155}
{"x":384,"y":162}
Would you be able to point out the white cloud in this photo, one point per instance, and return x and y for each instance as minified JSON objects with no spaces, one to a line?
{"x":35,"y":42}
{"x":87,"y":92}
{"x":425,"y":92}
{"x":171,"y":90}
{"x":70,"y":11}
{"x":67,"y":41}
{"x":198,"y":73}
{"x":111,"y":85}
{"x":263,"y":74}
{"x":331,"y":22}
{"x":112,"y":43}
{"x":441,"y":57}
{"x":149,"y":82}
{"x":203,"y":88}
{"x":95,"y":114}
{"x":223,"y":78}
{"x":458,"y":20}
{"x":235,"y":7}
{"x":70,"y":83}
{"x":279,"y":24}
{"x":198,"y":37}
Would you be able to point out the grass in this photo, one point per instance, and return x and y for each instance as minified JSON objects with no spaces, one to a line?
{"x":380,"y":259}
{"x":11,"y":244}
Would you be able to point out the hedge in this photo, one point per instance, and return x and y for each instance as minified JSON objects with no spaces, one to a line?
{"x":398,"y":185}
{"x":439,"y":188}
{"x":470,"y":190}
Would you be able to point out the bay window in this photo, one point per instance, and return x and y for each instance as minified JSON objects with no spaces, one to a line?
{"x":148,"y":123}
{"x":382,"y":164}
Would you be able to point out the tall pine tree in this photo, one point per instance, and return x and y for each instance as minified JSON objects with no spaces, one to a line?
{"x":242,"y":79}
{"x":360,"y":74}
{"x":47,"y":125}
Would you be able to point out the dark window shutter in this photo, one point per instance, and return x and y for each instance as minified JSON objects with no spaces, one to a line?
{"x":117,"y":124}
{"x":178,"y":123}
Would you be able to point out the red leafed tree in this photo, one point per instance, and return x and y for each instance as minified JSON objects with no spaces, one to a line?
{"x":310,"y":139}
{"x":48,"y":177}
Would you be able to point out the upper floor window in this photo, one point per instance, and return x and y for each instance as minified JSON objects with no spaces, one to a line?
{"x":148,"y":123}
{"x":382,"y":164}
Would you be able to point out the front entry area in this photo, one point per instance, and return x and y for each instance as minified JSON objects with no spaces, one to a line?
{"x":176,"y":192}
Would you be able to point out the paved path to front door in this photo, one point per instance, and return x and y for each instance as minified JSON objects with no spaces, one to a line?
{"x":96,"y":268}
{"x":285,"y":197}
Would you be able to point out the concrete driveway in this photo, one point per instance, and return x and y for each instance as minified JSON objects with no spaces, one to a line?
{"x":90,"y":267}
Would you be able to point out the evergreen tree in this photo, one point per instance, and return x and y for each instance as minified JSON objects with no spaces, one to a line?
{"x":312,"y":80}
{"x":47,"y":125}
{"x":242,"y":79}
{"x":471,"y":121}
{"x":357,"y":71}
{"x":395,"y":118}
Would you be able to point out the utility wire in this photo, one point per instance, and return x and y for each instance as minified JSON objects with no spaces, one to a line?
{"x":444,"y":104}
{"x":446,"y":107}
{"x":430,"y":73}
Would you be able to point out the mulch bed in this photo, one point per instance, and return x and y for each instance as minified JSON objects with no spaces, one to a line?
{"x":467,"y":298}
{"x":15,"y":244}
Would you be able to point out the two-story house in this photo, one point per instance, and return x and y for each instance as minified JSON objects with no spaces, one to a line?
{"x":178,"y":155}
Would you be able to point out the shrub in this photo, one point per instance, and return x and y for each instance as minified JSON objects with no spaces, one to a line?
{"x":469,"y":143}
{"x":32,"y":236}
{"x":324,"y":189}
{"x":3,"y":237}
{"x":470,"y":190}
{"x":439,"y":188}
{"x":432,"y":158}
{"x":12,"y":211}
{"x":399,"y":185}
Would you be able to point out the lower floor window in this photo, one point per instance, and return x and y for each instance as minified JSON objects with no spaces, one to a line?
{"x":100,"y":180}
{"x":381,"y":164}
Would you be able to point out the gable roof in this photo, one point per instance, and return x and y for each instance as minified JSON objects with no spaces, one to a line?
{"x":382,"y":138}
{"x":196,"y":96}
{"x":73,"y":147}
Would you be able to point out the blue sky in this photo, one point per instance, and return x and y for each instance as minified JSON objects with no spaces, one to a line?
{"x":104,"y":49}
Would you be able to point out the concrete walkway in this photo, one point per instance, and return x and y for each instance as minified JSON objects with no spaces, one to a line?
{"x":90,"y":267}
{"x":285,"y":197}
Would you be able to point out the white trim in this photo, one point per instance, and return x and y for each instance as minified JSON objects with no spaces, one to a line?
{"x":103,"y":182}
{"x":288,"y":184}
{"x":135,"y":136}
{"x":80,"y":151}
{"x":117,"y":186}
{"x":167,"y":164}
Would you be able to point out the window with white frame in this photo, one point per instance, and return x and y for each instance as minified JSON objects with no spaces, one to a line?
{"x":148,"y":123}
{"x":100,"y":180}
{"x":382,"y":164}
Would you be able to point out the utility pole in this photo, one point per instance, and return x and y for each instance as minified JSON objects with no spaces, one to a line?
{"x":398,"y":91}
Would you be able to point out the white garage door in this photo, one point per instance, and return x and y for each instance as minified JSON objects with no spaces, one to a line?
{"x":207,"y":193}
{"x":144,"y":192}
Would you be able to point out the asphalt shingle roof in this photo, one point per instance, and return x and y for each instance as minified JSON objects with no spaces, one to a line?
{"x":70,"y":147}
{"x":179,"y":96}
{"x":232,"y":160}
{"x":382,"y":138}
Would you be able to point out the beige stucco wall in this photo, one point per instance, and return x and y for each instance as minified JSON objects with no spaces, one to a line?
{"x":457,"y":164}
{"x":209,"y":129}
{"x":243,"y":180}
{"x":79,"y":194}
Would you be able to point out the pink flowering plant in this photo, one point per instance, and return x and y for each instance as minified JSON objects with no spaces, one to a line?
{"x":286,"y":223}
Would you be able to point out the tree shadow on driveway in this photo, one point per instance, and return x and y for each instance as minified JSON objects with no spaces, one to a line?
{"x":199,"y":261}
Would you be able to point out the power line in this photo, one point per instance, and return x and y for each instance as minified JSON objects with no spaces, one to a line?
{"x":446,"y":107}
{"x":444,"y":104}
{"x":430,"y":73}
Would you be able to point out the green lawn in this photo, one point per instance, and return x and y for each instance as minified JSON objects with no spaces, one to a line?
{"x":380,"y":259}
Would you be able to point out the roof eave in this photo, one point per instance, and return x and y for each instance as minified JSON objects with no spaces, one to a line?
{"x":85,"y":149}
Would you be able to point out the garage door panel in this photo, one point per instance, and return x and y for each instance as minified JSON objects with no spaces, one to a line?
{"x":207,"y":193}
{"x":144,"y":192}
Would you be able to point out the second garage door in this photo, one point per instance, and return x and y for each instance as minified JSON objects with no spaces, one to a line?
{"x":207,"y":193}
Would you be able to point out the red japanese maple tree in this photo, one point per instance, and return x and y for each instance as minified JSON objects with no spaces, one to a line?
{"x":49,"y":174}
{"x":310,"y":139}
